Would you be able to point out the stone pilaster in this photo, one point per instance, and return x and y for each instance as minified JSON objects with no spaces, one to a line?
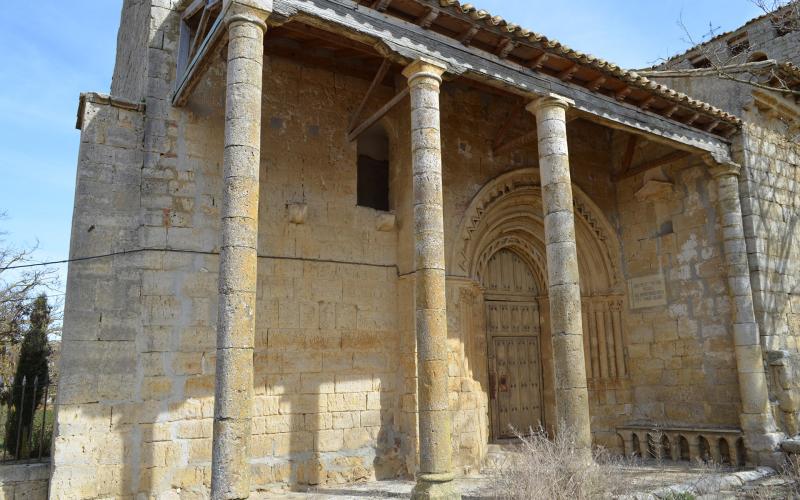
{"x":434,"y":479}
{"x":563,"y":287}
{"x":233,"y":395}
{"x":760,"y":434}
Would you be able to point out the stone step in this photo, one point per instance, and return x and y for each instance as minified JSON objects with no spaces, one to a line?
{"x":791,"y":446}
{"x":498,"y":452}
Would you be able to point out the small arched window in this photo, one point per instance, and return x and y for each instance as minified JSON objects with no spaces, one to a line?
{"x":372,"y":188}
{"x":757,"y":56}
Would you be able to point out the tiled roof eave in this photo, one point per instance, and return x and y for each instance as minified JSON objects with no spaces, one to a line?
{"x":483,"y":19}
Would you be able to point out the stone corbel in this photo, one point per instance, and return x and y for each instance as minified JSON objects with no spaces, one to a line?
{"x":385,"y":222}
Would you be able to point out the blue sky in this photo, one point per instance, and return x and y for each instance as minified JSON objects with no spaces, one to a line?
{"x":51,"y":50}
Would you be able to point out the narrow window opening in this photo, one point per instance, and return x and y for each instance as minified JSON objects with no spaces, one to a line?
{"x":373,"y":169}
{"x":701,"y":62}
{"x":784,"y":25}
{"x":738,"y":44}
{"x":757,"y":56}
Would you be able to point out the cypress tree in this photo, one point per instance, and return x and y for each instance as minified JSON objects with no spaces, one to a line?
{"x":32,"y":366}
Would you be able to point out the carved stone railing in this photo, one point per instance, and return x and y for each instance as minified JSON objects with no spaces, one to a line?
{"x":708,"y":444}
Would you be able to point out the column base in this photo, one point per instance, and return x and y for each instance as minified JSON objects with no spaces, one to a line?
{"x":435,"y":487}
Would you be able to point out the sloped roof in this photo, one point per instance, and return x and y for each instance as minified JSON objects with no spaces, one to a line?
{"x":526,"y":47}
{"x":723,"y":35}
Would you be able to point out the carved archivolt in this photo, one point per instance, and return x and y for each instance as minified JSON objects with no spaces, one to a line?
{"x":525,"y":249}
{"x":507,"y":212}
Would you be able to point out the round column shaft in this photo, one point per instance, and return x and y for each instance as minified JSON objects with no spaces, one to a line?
{"x":572,"y":397}
{"x":760,"y":435}
{"x":233,"y":395}
{"x":434,"y":479}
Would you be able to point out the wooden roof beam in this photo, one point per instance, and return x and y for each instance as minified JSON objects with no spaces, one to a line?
{"x":671,"y":111}
{"x":598,"y":82}
{"x":538,"y":61}
{"x":357,"y":131}
{"x":568,"y":73}
{"x":648,"y":102}
{"x":651,"y":164}
{"x":381,"y":5}
{"x":428,"y":18}
{"x":504,"y":48}
{"x":630,"y":151}
{"x":467,"y":36}
{"x":623,"y":93}
{"x":379,"y":76}
{"x":411,"y":41}
{"x":692,"y":118}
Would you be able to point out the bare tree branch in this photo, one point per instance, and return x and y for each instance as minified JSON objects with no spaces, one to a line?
{"x":730,"y":58}
{"x":17,"y":288}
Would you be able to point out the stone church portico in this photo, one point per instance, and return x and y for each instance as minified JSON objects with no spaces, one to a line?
{"x":559,"y":243}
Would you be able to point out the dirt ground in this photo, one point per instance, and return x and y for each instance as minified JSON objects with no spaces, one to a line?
{"x":634,"y":480}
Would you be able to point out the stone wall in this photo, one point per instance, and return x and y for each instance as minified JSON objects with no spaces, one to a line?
{"x":335,"y":372}
{"x":683,"y":369}
{"x":762,"y":37}
{"x":98,"y":370}
{"x":770,"y":194}
{"x":28,"y":481}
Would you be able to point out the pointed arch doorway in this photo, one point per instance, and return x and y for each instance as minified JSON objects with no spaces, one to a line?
{"x":503,"y":223}
{"x":513,"y":332}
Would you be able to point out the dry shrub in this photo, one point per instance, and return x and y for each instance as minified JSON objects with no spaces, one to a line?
{"x":551,"y":470}
{"x":786,"y":486}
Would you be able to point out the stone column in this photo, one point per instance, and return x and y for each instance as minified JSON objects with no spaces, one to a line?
{"x":435,"y":476}
{"x":563,"y":288}
{"x":233,"y":394}
{"x":760,"y":434}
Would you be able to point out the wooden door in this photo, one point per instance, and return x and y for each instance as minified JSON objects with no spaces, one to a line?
{"x":515,"y":362}
{"x":512,"y":330}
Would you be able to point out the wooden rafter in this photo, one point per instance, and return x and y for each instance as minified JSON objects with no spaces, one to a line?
{"x":630,"y":151}
{"x":507,"y":44}
{"x":538,"y":61}
{"x":693,"y":118}
{"x":648,"y":102}
{"x":467,"y":36}
{"x":329,"y":37}
{"x":353,"y":135}
{"x":595,"y":84}
{"x":671,"y":111}
{"x":504,"y":48}
{"x":379,"y":76}
{"x":568,"y":73}
{"x":658,"y":162}
{"x":623,"y":94}
{"x":428,"y":18}
{"x":381,"y":5}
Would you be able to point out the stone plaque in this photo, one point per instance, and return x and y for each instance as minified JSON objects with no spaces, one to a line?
{"x":647,"y":291}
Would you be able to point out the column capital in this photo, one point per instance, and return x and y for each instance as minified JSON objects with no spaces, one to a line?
{"x":424,"y":67}
{"x":247,"y":11}
{"x":549,"y":100}
{"x":721,"y":168}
